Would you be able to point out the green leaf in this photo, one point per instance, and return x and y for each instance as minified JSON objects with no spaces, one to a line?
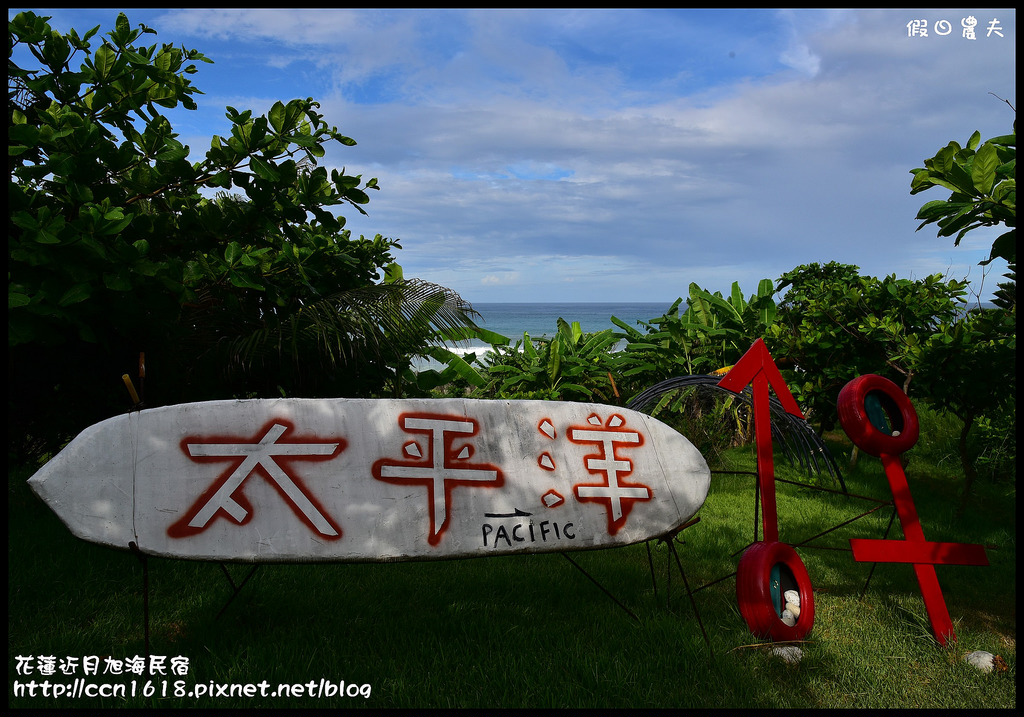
{"x":598,"y":343}
{"x":937,"y":208}
{"x":163,"y":61}
{"x":464,"y":333}
{"x":118,"y":281}
{"x":121,"y":25}
{"x":736,"y":299}
{"x":393,"y":273}
{"x":172,"y":153}
{"x":79,"y":192}
{"x":233,"y":252}
{"x":264,"y":169}
{"x":103,"y":61}
{"x":135,"y":58}
{"x":456,"y":363}
{"x":220,"y":179}
{"x":529,"y":350}
{"x":724,"y":306}
{"x":25,"y":134}
{"x":555,"y":360}
{"x":114,"y":223}
{"x":983,"y":169}
{"x":943,"y":160}
{"x":277,"y":116}
{"x":242,"y":281}
{"x":1005,"y":246}
{"x":76,"y":294}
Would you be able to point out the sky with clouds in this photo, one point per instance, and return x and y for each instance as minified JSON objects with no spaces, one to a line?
{"x":619,"y":155}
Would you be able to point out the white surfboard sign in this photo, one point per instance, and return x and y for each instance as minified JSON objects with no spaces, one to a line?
{"x":298,"y":480}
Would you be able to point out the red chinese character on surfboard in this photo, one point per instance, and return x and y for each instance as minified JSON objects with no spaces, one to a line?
{"x":612,"y":438}
{"x":440,"y":466}
{"x":264,"y":455}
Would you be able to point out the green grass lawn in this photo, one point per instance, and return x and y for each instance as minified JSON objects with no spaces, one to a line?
{"x":533,"y":631}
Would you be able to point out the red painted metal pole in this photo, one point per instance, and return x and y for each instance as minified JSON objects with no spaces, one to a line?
{"x":765,"y":458}
{"x":888,"y":445}
{"x":757,"y":369}
{"x":934,"y":602}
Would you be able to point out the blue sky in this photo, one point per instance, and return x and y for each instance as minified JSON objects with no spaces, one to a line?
{"x":618,"y":155}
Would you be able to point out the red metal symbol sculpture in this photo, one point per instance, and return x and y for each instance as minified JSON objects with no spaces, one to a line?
{"x":879,"y":418}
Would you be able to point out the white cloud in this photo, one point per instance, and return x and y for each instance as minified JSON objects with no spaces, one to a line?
{"x":509,"y":278}
{"x":591,"y":153}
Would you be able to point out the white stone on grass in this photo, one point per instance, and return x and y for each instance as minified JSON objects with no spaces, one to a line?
{"x":981,"y":660}
{"x":790,"y":653}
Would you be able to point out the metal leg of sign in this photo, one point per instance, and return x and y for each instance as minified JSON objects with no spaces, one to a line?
{"x":670,"y":540}
{"x":235,"y":589}
{"x":144,"y":561}
{"x":892,"y":519}
{"x":693,"y":601}
{"x":602,"y":587}
{"x":668,"y":575}
{"x":757,"y":497}
{"x":808,"y":542}
{"x":667,"y":539}
{"x":145,"y":592}
{"x":650,"y":564}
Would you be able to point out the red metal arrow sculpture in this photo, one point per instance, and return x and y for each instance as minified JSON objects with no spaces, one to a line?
{"x":757,"y":367}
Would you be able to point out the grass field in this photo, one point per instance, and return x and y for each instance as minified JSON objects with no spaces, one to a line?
{"x":533,"y":631}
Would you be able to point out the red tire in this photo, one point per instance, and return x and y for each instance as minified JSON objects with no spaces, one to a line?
{"x":853,"y":407}
{"x":754,"y":591}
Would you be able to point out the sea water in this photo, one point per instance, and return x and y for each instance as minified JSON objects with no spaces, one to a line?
{"x":541,"y":319}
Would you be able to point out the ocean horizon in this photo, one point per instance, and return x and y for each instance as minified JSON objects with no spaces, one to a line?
{"x":540,"y":319}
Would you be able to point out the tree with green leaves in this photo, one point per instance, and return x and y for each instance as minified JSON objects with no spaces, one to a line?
{"x":834,"y":325}
{"x":969,"y":364}
{"x":231,"y":270}
{"x":968,"y":368}
{"x":983,"y":183}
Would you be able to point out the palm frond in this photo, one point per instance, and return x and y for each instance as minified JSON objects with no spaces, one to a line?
{"x":797,"y":440}
{"x":377,"y":324}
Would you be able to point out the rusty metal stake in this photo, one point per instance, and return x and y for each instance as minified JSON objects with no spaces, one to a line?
{"x":133,"y":546}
